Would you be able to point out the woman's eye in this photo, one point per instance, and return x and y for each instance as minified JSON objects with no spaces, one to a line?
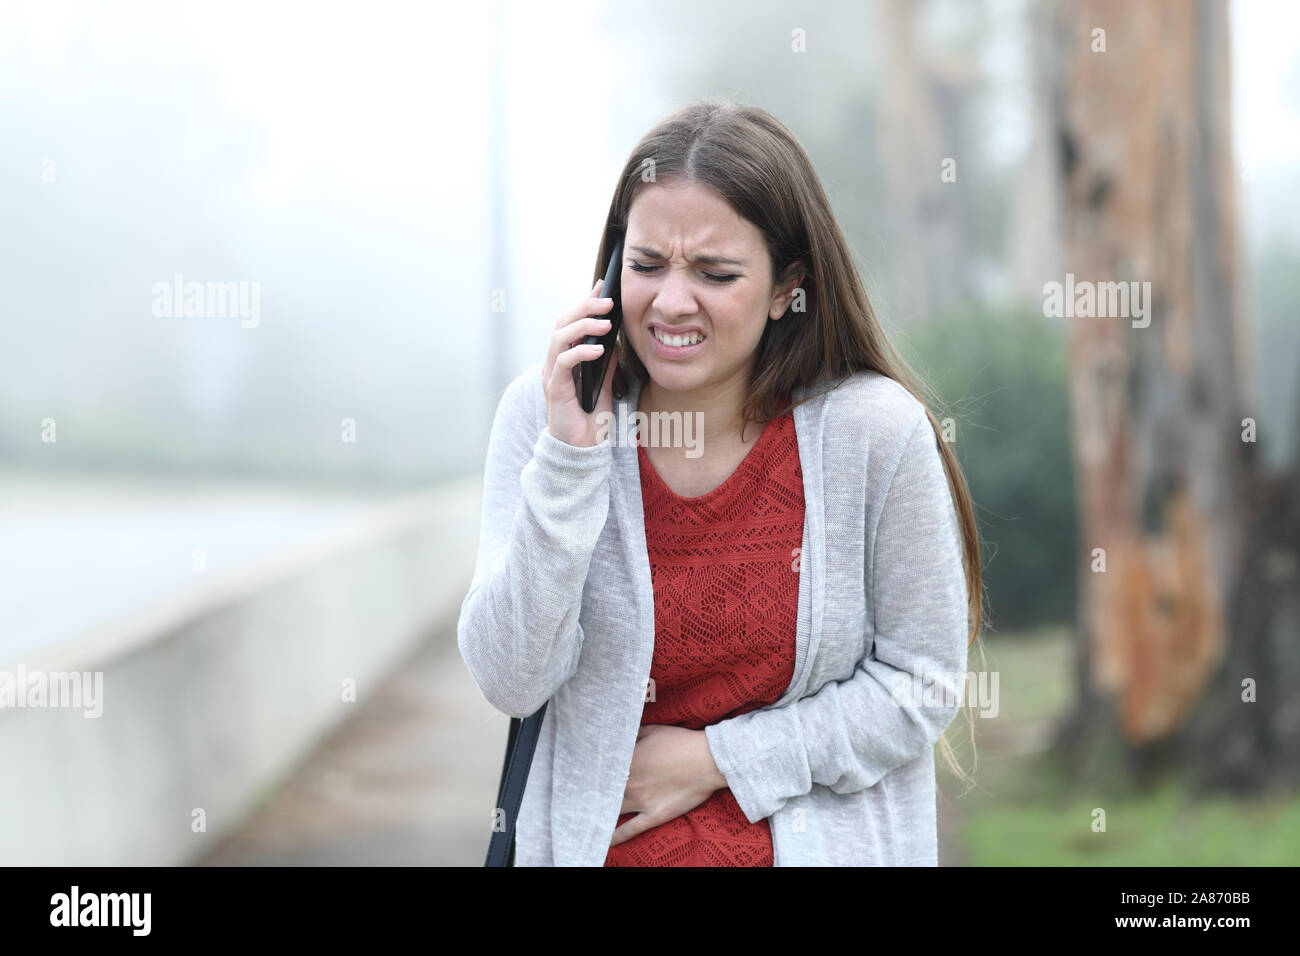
{"x":719,"y":279}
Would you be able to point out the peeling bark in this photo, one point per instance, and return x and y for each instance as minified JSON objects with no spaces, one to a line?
{"x":1168,"y":490}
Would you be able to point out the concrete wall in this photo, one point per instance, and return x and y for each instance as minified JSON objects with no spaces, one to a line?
{"x":209,"y":700}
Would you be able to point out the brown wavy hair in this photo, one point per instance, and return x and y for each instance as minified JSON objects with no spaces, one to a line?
{"x":754,"y":162}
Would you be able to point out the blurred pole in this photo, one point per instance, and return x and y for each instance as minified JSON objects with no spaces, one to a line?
{"x":500,"y":326}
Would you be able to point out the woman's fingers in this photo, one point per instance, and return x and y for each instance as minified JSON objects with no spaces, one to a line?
{"x":573,"y":333}
{"x":560,"y":340}
{"x":566,"y":419}
{"x":581,"y":352}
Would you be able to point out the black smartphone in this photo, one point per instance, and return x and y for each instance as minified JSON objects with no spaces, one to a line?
{"x":588,"y":376}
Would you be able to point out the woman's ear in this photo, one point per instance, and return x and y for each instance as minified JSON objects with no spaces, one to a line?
{"x":785,"y":291}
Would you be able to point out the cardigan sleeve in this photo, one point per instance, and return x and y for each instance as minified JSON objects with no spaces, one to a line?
{"x":544,"y":506}
{"x":853,"y":732}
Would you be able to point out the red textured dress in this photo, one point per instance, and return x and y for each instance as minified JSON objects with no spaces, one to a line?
{"x":726,"y":591}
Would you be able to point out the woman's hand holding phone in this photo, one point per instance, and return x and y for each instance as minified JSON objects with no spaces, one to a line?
{"x":565,"y":418}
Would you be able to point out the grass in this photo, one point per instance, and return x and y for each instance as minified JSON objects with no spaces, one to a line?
{"x":1025,"y":812}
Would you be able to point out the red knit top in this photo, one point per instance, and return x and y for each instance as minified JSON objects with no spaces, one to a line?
{"x":726,"y":590}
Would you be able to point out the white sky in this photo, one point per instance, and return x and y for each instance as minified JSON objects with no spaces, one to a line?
{"x":1266,"y":84}
{"x":387,"y":69}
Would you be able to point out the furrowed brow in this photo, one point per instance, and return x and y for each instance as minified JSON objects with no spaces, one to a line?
{"x":702,"y":260}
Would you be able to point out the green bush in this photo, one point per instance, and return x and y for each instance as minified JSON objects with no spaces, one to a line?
{"x":1002,"y":376}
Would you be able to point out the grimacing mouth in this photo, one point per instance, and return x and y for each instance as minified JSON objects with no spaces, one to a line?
{"x":654,"y":327}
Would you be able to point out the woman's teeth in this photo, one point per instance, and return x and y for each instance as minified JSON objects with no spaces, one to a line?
{"x":679,"y":340}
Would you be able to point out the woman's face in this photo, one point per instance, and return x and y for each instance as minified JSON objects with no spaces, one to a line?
{"x":692,"y":265}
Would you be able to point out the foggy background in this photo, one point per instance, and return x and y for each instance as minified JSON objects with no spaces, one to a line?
{"x":380,"y":171}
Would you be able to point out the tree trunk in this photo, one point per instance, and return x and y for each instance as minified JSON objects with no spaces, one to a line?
{"x":922,"y":98}
{"x":1188,"y":554}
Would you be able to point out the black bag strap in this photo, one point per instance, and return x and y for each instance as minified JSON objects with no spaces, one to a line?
{"x":520,"y":744}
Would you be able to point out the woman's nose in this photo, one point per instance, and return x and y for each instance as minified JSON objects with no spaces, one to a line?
{"x":675,"y":295}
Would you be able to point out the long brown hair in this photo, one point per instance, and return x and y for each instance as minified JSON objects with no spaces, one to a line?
{"x":754,"y":162}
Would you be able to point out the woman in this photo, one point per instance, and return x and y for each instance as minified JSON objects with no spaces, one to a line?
{"x":751,"y":641}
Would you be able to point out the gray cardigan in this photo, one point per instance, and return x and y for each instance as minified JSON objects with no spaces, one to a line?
{"x":561,"y":608}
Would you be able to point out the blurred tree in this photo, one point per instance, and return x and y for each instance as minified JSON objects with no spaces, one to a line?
{"x":1188,"y":553}
{"x":924,"y":103}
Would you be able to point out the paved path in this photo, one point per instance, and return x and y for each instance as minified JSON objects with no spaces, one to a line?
{"x":409,"y":780}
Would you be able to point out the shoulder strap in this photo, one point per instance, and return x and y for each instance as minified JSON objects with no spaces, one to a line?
{"x":520,"y":744}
